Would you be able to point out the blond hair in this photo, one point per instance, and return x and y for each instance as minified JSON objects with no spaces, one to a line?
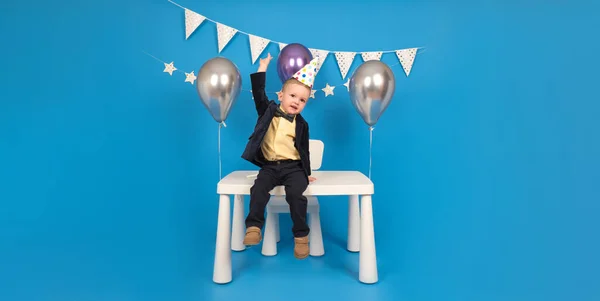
{"x":293,"y":81}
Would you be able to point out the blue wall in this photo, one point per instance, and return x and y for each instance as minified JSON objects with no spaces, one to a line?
{"x":486,"y":163}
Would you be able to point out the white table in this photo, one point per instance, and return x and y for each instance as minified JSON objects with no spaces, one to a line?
{"x":361,"y":236}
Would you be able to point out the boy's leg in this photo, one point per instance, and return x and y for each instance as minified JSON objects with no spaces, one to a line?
{"x":296,"y":182}
{"x":259,"y":197}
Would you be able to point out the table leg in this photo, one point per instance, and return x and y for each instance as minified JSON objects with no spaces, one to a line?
{"x":269,"y":243}
{"x":367,"y":258}
{"x":277,"y":233}
{"x":353,"y":224}
{"x":239,"y":228}
{"x":222,"y":265}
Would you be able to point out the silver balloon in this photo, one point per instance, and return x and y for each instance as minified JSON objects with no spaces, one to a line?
{"x":218,"y":85}
{"x":371,"y":89}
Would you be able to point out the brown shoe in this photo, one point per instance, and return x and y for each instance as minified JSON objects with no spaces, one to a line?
{"x":301,"y":249}
{"x":253,"y":236}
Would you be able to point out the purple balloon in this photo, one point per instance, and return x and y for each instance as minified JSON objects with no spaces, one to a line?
{"x":291,"y":59}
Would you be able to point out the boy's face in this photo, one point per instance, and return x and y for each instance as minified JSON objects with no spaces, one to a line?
{"x":293,"y":97}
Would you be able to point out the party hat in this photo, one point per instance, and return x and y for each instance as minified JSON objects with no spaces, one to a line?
{"x":307,"y":74}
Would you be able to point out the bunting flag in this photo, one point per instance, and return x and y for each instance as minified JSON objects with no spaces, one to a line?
{"x":369,"y":56}
{"x":192,"y":21}
{"x":257,"y":46}
{"x":407,"y":58}
{"x":224,"y":35}
{"x":321,"y":54}
{"x":345,"y":59}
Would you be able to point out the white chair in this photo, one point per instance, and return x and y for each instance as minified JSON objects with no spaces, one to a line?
{"x":278,"y":205}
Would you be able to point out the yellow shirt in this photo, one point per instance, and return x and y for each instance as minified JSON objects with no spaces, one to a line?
{"x":278,"y":143}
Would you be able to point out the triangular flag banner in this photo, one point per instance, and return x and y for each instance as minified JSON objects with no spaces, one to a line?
{"x":192,"y":21}
{"x":344,"y":59}
{"x":281,"y":45}
{"x":322,"y":54}
{"x":224,"y":35}
{"x":407,"y":58}
{"x":370,"y":56}
{"x":257,"y":46}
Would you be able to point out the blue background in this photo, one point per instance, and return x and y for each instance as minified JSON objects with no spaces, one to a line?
{"x":486,"y":164}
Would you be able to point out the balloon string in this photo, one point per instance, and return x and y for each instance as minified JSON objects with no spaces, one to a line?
{"x":370,"y":150}
{"x":219,"y":148}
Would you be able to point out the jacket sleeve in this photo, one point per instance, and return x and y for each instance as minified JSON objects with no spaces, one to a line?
{"x":261,"y":100}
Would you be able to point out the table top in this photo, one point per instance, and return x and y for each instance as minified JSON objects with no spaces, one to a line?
{"x":327,"y":183}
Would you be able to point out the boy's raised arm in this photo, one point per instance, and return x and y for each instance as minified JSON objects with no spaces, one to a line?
{"x":258,"y":79}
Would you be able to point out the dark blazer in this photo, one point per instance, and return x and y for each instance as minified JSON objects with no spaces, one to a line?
{"x":266,"y":110}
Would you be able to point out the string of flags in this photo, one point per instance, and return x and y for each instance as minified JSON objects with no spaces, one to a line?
{"x":257,"y":44}
{"x":344,"y":59}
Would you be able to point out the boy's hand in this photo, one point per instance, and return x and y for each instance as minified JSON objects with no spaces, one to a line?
{"x":311,"y":179}
{"x":264,"y":63}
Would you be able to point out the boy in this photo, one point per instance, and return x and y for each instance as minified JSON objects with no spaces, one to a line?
{"x":279,"y":146}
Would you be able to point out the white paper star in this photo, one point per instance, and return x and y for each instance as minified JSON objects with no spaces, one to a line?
{"x":169,"y":68}
{"x":328,"y":90}
{"x":190,"y":77}
{"x":312,"y":93}
{"x":347,"y":84}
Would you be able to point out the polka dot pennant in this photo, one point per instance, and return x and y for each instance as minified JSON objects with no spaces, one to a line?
{"x":307,"y":74}
{"x":192,"y":21}
{"x":344,"y":59}
{"x":224,"y":35}
{"x":407,"y":58}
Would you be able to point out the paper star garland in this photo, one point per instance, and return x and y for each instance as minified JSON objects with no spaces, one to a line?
{"x":190,"y":77}
{"x":347,"y":84}
{"x":328,"y":90}
{"x":406,"y":57}
{"x":169,"y":68}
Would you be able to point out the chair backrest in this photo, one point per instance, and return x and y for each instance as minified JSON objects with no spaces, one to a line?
{"x":316,"y":148}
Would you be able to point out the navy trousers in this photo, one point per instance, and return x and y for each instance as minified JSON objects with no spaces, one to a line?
{"x":290,"y":174}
